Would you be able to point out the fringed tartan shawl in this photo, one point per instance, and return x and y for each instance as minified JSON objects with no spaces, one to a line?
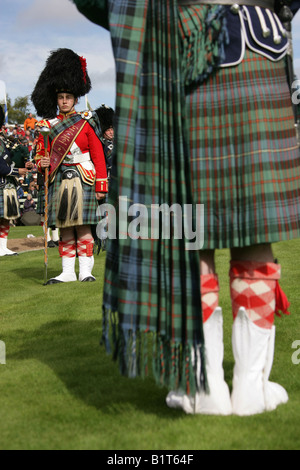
{"x":152,"y":285}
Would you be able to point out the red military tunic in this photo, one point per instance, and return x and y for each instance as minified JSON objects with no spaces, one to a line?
{"x":87,"y":141}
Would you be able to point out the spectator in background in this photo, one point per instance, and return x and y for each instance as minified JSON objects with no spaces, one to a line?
{"x":29,"y":204}
{"x":20,"y":131}
{"x":32,"y":189}
{"x":30,"y":216}
{"x":29,"y":123}
{"x":14,"y":133}
{"x":8,"y":130}
{"x":20,"y":190}
{"x":28,"y":138}
{"x":24,"y":185}
{"x":4,"y":130}
{"x":20,"y":154}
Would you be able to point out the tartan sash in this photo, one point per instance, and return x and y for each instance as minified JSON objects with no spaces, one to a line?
{"x":62,"y":137}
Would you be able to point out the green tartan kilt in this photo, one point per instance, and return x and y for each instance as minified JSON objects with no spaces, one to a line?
{"x":90,"y":203}
{"x":244,"y":154}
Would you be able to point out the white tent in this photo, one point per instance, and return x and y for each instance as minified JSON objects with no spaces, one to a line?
{"x":3,"y":98}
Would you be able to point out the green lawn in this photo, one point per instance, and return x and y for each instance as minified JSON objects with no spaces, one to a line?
{"x":59,"y":389}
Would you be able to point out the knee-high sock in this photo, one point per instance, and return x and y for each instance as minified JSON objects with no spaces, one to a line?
{"x":209,"y":294}
{"x":255,"y":287}
{"x":85,"y":246}
{"x":4,"y":228}
{"x":67,"y":248}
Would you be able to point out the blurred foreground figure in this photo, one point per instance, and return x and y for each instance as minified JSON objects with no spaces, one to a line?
{"x":203,"y":103}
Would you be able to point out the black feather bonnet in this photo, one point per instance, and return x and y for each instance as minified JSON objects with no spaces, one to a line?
{"x":65,"y":72}
{"x":106,"y":117}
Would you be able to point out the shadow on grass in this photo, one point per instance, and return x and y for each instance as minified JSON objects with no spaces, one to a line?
{"x":72,"y":350}
{"x":34,"y":270}
{"x":35,"y":273}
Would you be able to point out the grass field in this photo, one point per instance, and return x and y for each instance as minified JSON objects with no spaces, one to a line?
{"x":59,"y":390}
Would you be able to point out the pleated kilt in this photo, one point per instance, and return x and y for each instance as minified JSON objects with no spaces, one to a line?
{"x":90,"y":203}
{"x":244,"y":154}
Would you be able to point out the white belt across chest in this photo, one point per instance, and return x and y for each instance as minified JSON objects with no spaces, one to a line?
{"x":84,"y":163}
{"x":77,"y":158}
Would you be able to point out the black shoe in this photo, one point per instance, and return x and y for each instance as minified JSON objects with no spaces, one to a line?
{"x":89,"y":279}
{"x":51,"y":244}
{"x":53,"y":281}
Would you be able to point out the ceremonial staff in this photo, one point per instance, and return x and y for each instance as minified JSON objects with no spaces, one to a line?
{"x":45,"y":132}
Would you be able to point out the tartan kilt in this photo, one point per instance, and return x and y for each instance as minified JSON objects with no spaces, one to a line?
{"x":244,"y":154}
{"x":90,"y":203}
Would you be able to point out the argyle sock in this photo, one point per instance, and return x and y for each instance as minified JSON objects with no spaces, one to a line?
{"x":255,"y":287}
{"x":67,"y":248}
{"x":85,"y":246}
{"x":209,"y":294}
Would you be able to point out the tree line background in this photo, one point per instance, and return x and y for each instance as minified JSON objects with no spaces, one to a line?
{"x":19,"y":110}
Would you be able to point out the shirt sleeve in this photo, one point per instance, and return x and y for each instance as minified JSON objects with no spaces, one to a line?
{"x":98,"y":158}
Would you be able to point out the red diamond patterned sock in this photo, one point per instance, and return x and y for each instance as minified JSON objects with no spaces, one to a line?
{"x":67,"y":248}
{"x":85,"y":246}
{"x":255,"y":287}
{"x":209,"y":294}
